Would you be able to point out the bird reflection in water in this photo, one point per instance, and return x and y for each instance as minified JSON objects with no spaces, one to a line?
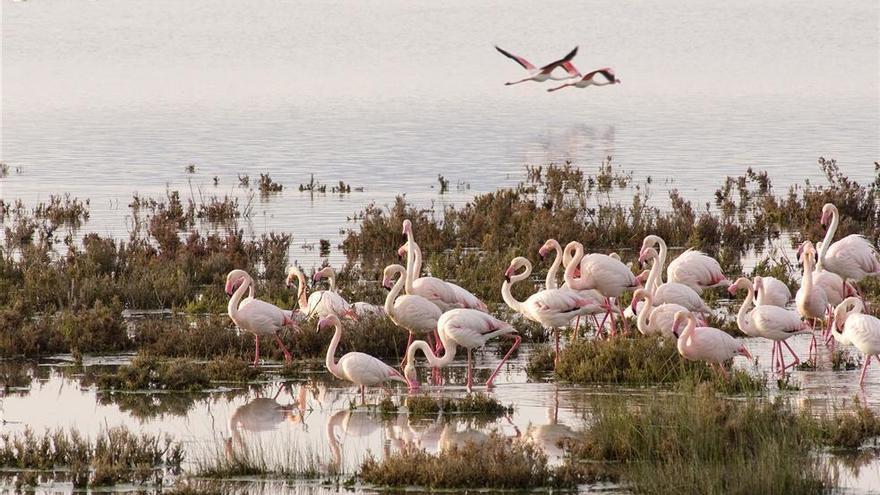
{"x":264,"y":414}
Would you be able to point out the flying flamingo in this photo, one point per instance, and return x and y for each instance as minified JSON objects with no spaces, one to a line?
{"x":851,"y":326}
{"x":654,"y":320}
{"x":852,"y":257}
{"x":589,"y":79}
{"x":812,"y":302}
{"x":601,"y":272}
{"x":359,"y":368}
{"x":359,"y":308}
{"x":254,"y":315}
{"x":467,"y":328}
{"x":411,"y":312}
{"x":706,"y":343}
{"x":768,"y":321}
{"x":544,"y":73}
{"x":445,"y":295}
{"x":552,"y":308}
{"x":563,"y":259}
{"x":668,"y":292}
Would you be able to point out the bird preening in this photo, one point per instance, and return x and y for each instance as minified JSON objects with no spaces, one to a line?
{"x":551,"y":72}
{"x":440,"y":317}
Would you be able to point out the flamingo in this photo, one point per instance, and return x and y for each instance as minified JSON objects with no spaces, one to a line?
{"x":411,"y":312}
{"x":601,"y":272}
{"x":330,"y":301}
{"x":254,"y":315}
{"x":552,"y":308}
{"x":696,"y":270}
{"x":356,"y":367}
{"x":833,"y":284}
{"x":653,"y":320}
{"x":467,"y":328}
{"x":768,"y":321}
{"x":589,"y":79}
{"x":544,"y":73}
{"x":852,"y":257}
{"x":668,"y":292}
{"x":811,"y":302}
{"x":563,"y":259}
{"x":445,"y":295}
{"x":706,"y":343}
{"x":771,"y":292}
{"x":851,"y":326}
{"x":359,"y":309}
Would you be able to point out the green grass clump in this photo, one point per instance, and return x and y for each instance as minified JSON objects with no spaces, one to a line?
{"x":151,"y":373}
{"x":476,"y":404}
{"x":850,"y":430}
{"x":703,"y":444}
{"x":643,"y":360}
{"x":115,"y":456}
{"x":498,"y":463}
{"x":540,"y":361}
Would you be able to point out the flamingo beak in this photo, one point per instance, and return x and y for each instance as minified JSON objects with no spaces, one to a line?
{"x":744,"y":352}
{"x":387,"y":283}
{"x":400,"y":252}
{"x":542,"y":253}
{"x":732,"y":290}
{"x":507,"y":274}
{"x":632,"y":306}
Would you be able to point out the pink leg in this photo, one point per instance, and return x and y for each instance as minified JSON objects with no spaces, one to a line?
{"x":577,"y":326}
{"x":517,"y":340}
{"x":408,"y":342}
{"x":596,"y":322}
{"x":611,"y":315}
{"x":257,"y":355}
{"x":797,"y":360}
{"x":723,"y":372}
{"x":864,"y":369}
{"x":773,"y":361}
{"x":470,"y":381}
{"x":287,"y":356}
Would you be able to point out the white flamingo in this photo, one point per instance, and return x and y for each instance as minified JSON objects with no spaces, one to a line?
{"x":851,"y":326}
{"x":706,"y":343}
{"x":256,"y":316}
{"x":772,"y":292}
{"x":602,"y":272}
{"x":544,"y":73}
{"x":697,"y":270}
{"x":356,"y":367}
{"x":811,"y":301}
{"x":467,"y":328}
{"x":552,"y":308}
{"x":360,"y":308}
{"x":563,"y":259}
{"x":589,"y":79}
{"x":330,"y":301}
{"x":411,"y":312}
{"x":768,"y":321}
{"x":445,"y":295}
{"x":852,"y":257}
{"x":655,"y":320}
{"x":668,"y":292}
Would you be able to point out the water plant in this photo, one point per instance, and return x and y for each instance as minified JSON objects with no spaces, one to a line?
{"x":476,"y":404}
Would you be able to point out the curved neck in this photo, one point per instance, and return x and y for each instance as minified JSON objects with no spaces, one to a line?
{"x":410,"y":264}
{"x":506,"y":293}
{"x":301,"y":291}
{"x":645,"y":314}
{"x":417,"y":263}
{"x":575,"y":262}
{"x":331,"y":279}
{"x":742,"y":316}
{"x":829,"y":236}
{"x":551,"y":282}
{"x":330,"y":360}
{"x":661,"y":262}
{"x":393,"y":293}
{"x":449,"y":348}
{"x":235,"y":300}
{"x":655,"y":275}
{"x":687,"y":334}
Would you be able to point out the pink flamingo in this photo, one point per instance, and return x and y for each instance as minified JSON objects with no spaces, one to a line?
{"x":860,"y":330}
{"x":254,"y":315}
{"x":812,"y":302}
{"x":357,"y":309}
{"x":772,"y":292}
{"x":356,"y":367}
{"x":327,"y":302}
{"x":602,"y":272}
{"x":706,"y":343}
{"x":589,"y":79}
{"x":544,"y":73}
{"x":668,"y":292}
{"x":852,"y":257}
{"x":445,"y":295}
{"x":552,"y":308}
{"x":768,"y":321}
{"x":563,"y":259}
{"x":411,"y":312}
{"x":655,"y":320}
{"x":467,"y":328}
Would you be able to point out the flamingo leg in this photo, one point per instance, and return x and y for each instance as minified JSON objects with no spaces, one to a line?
{"x":797,"y":360}
{"x":773,"y":361}
{"x":623,"y":318}
{"x":814,"y":346}
{"x":611,"y":315}
{"x":517,"y":340}
{"x":556,"y":358}
{"x":577,"y":326}
{"x":596,"y":322}
{"x":408,"y":342}
{"x":363,"y":397}
{"x":287,"y":356}
{"x":723,"y":372}
{"x":864,"y":369}
{"x":470,"y":381}
{"x":257,"y":353}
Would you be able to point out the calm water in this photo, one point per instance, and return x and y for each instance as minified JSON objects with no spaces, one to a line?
{"x":106,"y":98}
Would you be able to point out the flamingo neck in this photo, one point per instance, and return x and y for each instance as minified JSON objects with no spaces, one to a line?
{"x":684,"y":340}
{"x":410,"y":275}
{"x":807,"y":280}
{"x":331,"y":279}
{"x":654,"y":276}
{"x":742,"y":316}
{"x":235,"y":300}
{"x":301,"y":291}
{"x":417,"y":263}
{"x":506,"y":293}
{"x":645,"y":314}
{"x":393,"y":293}
{"x":575,"y":283}
{"x":829,"y":236}
{"x":551,"y":282}
{"x":330,"y":360}
{"x":449,"y":348}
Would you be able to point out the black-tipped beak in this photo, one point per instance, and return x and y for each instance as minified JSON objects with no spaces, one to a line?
{"x":228,"y":292}
{"x":507,"y":277}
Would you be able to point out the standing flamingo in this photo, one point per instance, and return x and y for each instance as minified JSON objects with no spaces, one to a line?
{"x":851,"y":326}
{"x":692,"y":268}
{"x":563,"y":259}
{"x":812,"y":302}
{"x":552,"y":308}
{"x":411,"y":312}
{"x":254,"y":315}
{"x":589,"y":79}
{"x":330,"y":301}
{"x":445,"y":295}
{"x":358,"y":309}
{"x":359,"y":368}
{"x":772,"y":292}
{"x":544,"y":73}
{"x":601,"y":272}
{"x":467,"y":328}
{"x":706,"y":343}
{"x":768,"y":321}
{"x":668,"y":292}
{"x":852,"y":257}
{"x":655,"y":320}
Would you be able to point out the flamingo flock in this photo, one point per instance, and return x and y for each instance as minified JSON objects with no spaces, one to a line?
{"x":599,"y":77}
{"x":441,"y":317}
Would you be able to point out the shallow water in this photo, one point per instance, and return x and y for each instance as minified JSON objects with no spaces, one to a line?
{"x":320,"y":421}
{"x":383,"y":97}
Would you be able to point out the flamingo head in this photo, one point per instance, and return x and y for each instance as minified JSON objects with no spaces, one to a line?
{"x":407,"y":227}
{"x":806,"y":250}
{"x":323,"y":273}
{"x":401,"y":251}
{"x":327,"y":321}
{"x":550,"y":244}
{"x":234,"y":280}
{"x":389,"y":273}
{"x":828,"y":210}
{"x":638,"y":295}
{"x":742,"y":351}
{"x":642,"y":278}
{"x":680,"y":318}
{"x":741,"y":283}
{"x":647,"y":253}
{"x":409,"y":373}
{"x":515,"y":265}
{"x":293,"y":274}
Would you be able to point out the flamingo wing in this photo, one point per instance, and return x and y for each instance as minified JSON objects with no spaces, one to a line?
{"x":558,"y":63}
{"x":854,"y":255}
{"x":516,"y":58}
{"x":466,"y":299}
{"x":260,"y":317}
{"x":366,"y":370}
{"x":863,"y":331}
{"x":571,"y":69}
{"x":416,"y":313}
